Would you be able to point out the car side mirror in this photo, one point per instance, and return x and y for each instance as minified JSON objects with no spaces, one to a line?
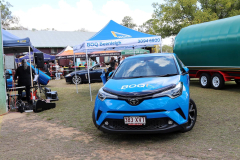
{"x":110,"y":75}
{"x":185,"y":70}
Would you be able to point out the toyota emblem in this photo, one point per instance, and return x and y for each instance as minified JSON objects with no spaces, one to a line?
{"x":133,"y":101}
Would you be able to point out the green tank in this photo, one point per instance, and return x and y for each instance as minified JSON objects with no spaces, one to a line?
{"x":211,"y":45}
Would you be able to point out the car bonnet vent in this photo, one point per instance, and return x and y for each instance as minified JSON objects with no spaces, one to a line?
{"x":138,"y":94}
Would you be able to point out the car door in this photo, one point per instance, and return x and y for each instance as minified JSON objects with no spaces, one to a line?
{"x":96,"y":73}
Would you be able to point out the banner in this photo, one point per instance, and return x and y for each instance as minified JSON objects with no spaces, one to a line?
{"x":102,"y":44}
{"x":89,"y":55}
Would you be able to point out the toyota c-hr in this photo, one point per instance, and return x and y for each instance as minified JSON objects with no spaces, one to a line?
{"x":146,"y":94}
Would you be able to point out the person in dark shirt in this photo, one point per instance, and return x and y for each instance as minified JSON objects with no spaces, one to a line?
{"x":24,"y":79}
{"x":119,"y":59}
{"x":112,"y":63}
{"x":46,"y":69}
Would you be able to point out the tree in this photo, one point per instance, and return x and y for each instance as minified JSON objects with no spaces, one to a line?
{"x":19,"y":27}
{"x":6,"y":15}
{"x":167,"y":49}
{"x":47,"y":29}
{"x":173,"y":15}
{"x":82,"y":30}
{"x":148,"y":27}
{"x":128,"y":22}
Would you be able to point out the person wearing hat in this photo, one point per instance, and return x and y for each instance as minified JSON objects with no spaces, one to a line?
{"x":23,"y":74}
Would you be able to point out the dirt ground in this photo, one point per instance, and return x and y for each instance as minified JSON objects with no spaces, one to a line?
{"x":26,"y":136}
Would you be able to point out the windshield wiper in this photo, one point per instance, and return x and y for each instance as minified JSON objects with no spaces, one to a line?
{"x":136,"y":77}
{"x":168,"y":75}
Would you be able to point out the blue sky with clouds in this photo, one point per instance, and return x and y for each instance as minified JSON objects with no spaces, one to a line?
{"x":134,"y":4}
{"x":70,"y":15}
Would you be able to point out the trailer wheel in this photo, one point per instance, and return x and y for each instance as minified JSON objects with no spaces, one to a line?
{"x":217,"y":81}
{"x":237,"y":81}
{"x":205,"y":80}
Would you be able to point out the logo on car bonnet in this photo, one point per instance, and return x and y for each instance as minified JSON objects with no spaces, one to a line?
{"x":133,"y":101}
{"x":137,"y":85}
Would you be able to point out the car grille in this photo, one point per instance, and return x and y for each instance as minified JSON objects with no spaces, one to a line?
{"x":151,"y":124}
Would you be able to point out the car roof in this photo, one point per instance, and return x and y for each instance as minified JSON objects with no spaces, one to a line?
{"x":151,"y":55}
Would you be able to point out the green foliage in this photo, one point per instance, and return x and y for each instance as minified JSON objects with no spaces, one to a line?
{"x":173,"y":15}
{"x":6,"y":15}
{"x":167,"y":49}
{"x":128,"y":22}
{"x":149,"y":27}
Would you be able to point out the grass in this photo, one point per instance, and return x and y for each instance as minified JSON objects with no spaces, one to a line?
{"x":215,"y":135}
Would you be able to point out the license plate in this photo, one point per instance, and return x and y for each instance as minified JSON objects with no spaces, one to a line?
{"x":135,"y":120}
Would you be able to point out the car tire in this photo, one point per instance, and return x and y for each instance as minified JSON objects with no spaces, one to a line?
{"x":217,"y":81}
{"x":192,"y":116}
{"x":205,"y":80}
{"x":76,"y":79}
{"x":237,"y":81}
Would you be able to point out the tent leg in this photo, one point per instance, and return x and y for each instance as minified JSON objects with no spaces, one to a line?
{"x":88,"y":75}
{"x":31,"y":72}
{"x":161,"y":44}
{"x":75,"y":72}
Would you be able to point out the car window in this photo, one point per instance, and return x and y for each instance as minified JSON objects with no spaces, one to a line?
{"x":146,"y":67}
{"x":96,"y":67}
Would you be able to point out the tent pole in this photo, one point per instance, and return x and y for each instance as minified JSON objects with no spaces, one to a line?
{"x":29,"y":56}
{"x":88,"y":75}
{"x":75,"y":71}
{"x":161,"y":44}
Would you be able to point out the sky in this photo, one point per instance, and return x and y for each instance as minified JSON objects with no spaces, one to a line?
{"x":71,"y":15}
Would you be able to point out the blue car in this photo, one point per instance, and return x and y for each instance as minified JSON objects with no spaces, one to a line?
{"x":146,"y":94}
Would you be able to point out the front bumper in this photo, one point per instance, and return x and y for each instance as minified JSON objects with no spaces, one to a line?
{"x":152,"y":126}
{"x":68,"y":79}
{"x":158,"y":112}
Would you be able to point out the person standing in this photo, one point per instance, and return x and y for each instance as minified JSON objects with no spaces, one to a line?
{"x":46,"y":69}
{"x":119,"y":59}
{"x":23,"y":74}
{"x":112,"y":63}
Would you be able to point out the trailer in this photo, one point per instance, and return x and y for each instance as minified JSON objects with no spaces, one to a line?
{"x":211,"y":51}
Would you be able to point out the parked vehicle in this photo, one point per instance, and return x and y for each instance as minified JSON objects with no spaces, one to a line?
{"x":146,"y":94}
{"x":211,"y":51}
{"x":82,"y":75}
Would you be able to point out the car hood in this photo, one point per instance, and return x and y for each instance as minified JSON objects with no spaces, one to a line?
{"x":137,"y":85}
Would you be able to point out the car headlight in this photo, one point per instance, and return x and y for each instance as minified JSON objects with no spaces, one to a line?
{"x":68,"y":75}
{"x":104,"y":95}
{"x":172,"y":93}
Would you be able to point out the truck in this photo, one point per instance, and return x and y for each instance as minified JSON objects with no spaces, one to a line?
{"x":211,"y":51}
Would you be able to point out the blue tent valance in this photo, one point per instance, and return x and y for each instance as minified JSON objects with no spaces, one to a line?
{"x":14,"y":44}
{"x":47,"y":57}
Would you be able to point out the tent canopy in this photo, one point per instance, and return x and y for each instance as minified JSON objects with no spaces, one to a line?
{"x":47,"y":57}
{"x":117,"y":37}
{"x":14,"y":44}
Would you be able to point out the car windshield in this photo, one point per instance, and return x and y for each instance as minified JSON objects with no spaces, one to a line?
{"x":153,"y":66}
